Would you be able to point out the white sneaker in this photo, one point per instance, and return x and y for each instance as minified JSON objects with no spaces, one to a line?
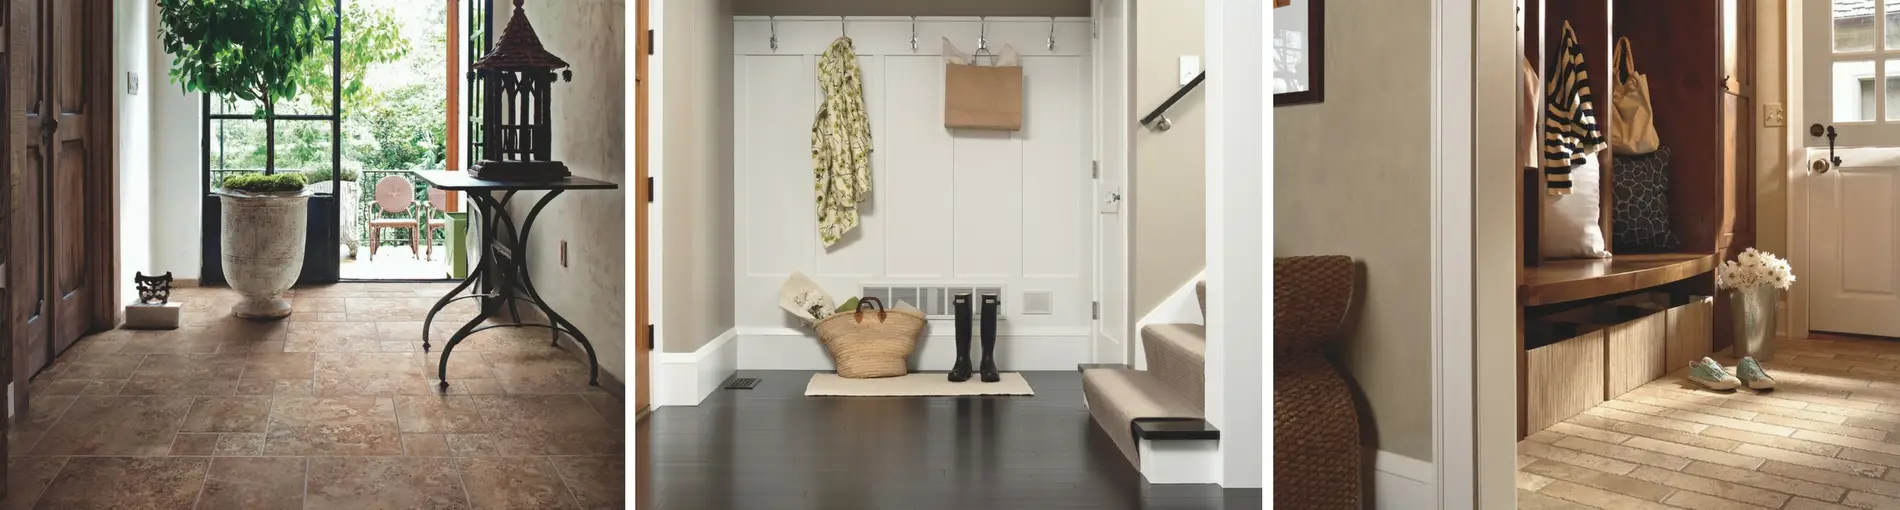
{"x":1710,"y":374}
{"x":1753,"y":375}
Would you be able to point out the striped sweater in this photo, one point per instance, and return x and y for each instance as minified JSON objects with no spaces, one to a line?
{"x":1570,"y":121}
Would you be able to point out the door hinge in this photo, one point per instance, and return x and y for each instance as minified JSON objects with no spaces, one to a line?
{"x":650,"y":41}
{"x":1095,"y":29}
{"x":3,"y":275}
{"x":650,"y":189}
{"x":649,"y":337}
{"x":1095,"y":310}
{"x":1095,"y":169}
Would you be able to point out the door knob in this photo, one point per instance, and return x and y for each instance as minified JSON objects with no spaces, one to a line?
{"x":1819,"y":166}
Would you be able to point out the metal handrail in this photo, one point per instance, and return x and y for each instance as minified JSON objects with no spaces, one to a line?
{"x":1149,"y":121}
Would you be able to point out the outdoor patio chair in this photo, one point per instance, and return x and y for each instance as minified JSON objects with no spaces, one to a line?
{"x":395,"y":195}
{"x":438,"y":219}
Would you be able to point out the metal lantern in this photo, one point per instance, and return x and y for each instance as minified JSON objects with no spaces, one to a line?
{"x":517,"y":80}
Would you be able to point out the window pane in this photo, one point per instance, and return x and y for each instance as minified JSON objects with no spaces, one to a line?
{"x":237,"y":147}
{"x":1893,"y":89}
{"x":1853,"y":91}
{"x":1893,"y":24}
{"x":1853,"y":25}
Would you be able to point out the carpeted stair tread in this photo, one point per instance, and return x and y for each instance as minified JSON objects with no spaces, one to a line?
{"x":1177,"y":356}
{"x":1116,"y":397}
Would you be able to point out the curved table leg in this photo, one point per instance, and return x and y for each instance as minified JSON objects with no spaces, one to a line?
{"x":442,"y":368}
{"x":527,"y":284}
{"x":481,"y":267}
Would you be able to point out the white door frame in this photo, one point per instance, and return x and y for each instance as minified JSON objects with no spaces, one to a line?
{"x":1797,"y":156}
{"x":1114,"y":150}
{"x":1474,"y":276}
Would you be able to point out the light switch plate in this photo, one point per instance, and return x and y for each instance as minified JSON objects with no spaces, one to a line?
{"x":131,"y":83}
{"x":1190,"y":66}
{"x":1774,"y":115}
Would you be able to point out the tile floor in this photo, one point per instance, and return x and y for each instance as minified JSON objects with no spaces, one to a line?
{"x":334,"y":408}
{"x":1827,"y":438}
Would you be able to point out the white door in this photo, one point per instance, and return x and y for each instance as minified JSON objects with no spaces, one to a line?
{"x":1850,"y":64}
{"x":1114,"y":120}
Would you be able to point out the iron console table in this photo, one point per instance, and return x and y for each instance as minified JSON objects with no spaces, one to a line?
{"x":494,"y":216}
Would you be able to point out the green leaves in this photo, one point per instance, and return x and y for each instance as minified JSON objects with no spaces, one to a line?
{"x":246,"y":49}
{"x":370,"y":37}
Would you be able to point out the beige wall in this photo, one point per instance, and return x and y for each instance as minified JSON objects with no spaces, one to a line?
{"x":1771,"y":163}
{"x":589,"y":135}
{"x":696,"y":176}
{"x":1168,"y":237}
{"x":1352,"y":176}
{"x":1078,"y":8}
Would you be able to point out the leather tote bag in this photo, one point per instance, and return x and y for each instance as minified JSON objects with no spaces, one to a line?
{"x":1633,"y":121}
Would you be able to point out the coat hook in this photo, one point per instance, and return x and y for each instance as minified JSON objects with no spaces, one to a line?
{"x":913,"y":33}
{"x":774,"y":21}
{"x":1052,"y":33}
{"x":983,"y":34}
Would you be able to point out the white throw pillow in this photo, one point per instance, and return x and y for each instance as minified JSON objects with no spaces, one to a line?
{"x":1571,"y":229}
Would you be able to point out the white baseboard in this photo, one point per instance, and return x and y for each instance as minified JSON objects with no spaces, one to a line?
{"x":1400,"y":482}
{"x":686,"y":379}
{"x":1037,"y":349}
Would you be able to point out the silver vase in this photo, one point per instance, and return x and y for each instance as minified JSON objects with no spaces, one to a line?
{"x":1754,"y":313}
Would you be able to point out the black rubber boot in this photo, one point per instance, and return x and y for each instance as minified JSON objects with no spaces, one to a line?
{"x":990,"y":305}
{"x":961,"y":372}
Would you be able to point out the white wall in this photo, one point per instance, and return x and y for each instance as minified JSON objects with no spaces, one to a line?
{"x":132,"y":21}
{"x":947,"y":206}
{"x":177,"y":185}
{"x":589,"y":136}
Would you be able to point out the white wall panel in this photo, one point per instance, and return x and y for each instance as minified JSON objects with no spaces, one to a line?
{"x":776,"y":181}
{"x":1055,"y":140}
{"x":989,"y":216}
{"x":916,"y":196}
{"x":947,"y":206}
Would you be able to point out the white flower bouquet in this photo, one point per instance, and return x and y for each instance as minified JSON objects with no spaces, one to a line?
{"x":1754,"y":268}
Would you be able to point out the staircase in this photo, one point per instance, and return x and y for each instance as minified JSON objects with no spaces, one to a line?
{"x":1156,"y":415}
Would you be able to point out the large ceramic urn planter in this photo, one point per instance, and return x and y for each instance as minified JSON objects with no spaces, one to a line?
{"x":262,"y":248}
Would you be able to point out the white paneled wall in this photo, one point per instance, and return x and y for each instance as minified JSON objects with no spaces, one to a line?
{"x":947,"y":206}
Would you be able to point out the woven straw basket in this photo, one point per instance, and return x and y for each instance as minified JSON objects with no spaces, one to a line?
{"x":868,"y":345}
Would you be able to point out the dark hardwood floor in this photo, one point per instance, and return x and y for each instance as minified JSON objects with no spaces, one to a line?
{"x":772,"y":448}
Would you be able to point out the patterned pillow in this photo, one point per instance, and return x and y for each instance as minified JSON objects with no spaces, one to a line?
{"x":1640,"y":211}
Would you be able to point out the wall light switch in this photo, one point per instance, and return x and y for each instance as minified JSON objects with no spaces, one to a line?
{"x":131,"y":83}
{"x":1774,"y":115}
{"x":1190,"y":66}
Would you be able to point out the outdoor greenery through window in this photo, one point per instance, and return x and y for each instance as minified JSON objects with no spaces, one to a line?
{"x":395,"y":100}
{"x":392,"y":117}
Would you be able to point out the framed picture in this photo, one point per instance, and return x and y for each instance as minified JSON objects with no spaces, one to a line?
{"x":1299,"y":56}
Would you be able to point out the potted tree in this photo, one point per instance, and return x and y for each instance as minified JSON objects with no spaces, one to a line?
{"x":250,"y":50}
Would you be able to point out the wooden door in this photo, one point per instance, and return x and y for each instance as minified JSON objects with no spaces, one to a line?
{"x":71,"y":143}
{"x":61,"y":255}
{"x":30,"y":314}
{"x":642,"y":196}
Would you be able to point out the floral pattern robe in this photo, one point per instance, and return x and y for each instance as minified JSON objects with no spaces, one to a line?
{"x":840,"y":143}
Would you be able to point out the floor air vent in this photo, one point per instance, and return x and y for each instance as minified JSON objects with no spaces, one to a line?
{"x":743,"y":383}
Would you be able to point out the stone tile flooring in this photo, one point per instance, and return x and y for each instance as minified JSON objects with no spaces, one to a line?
{"x":1827,"y":438}
{"x":335,"y":407}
